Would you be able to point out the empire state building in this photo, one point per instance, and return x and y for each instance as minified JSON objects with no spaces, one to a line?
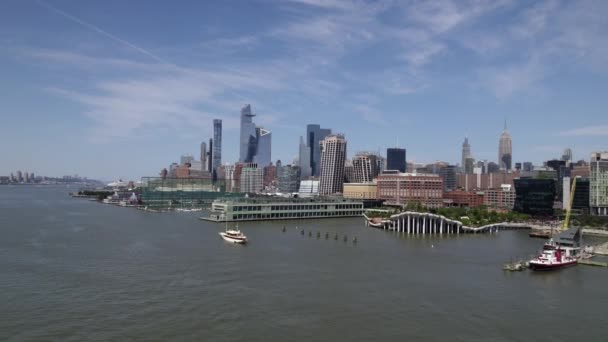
{"x":505,"y":155}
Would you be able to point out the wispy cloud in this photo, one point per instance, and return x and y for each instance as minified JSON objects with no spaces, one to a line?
{"x":599,"y":130}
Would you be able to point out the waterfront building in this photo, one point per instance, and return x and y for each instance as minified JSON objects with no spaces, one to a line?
{"x":288,"y":177}
{"x":581,"y":194}
{"x":333,"y":156}
{"x":599,"y":184}
{"x":365,"y":167}
{"x":279,"y":208}
{"x":361,"y":191}
{"x":460,"y":198}
{"x":502,"y":198}
{"x":448,"y":175}
{"x":403,"y":188}
{"x":204,"y":156}
{"x":309,"y":188}
{"x":228,"y":172}
{"x":168,"y":193}
{"x":304,"y":159}
{"x":314,"y":136}
{"x":466,"y":154}
{"x":534,"y":196}
{"x":270,"y":174}
{"x":251,"y":180}
{"x":505,"y":155}
{"x":217,"y":145}
{"x":396,"y":159}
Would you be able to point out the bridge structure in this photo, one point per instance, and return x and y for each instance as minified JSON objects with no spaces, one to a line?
{"x":415,"y":223}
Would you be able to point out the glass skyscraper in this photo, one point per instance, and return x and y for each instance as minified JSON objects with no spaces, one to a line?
{"x":217,"y":144}
{"x":395,"y":159}
{"x":314,"y":135}
{"x":255,"y":142}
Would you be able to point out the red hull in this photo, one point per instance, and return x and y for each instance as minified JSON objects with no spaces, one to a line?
{"x":545,"y":267}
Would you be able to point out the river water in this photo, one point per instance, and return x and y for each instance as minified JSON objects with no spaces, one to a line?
{"x":75,"y":270}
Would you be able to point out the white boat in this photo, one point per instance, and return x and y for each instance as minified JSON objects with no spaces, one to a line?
{"x":233,"y":235}
{"x":562,"y":251}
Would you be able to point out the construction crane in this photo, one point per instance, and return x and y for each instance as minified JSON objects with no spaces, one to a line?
{"x":567,"y":220}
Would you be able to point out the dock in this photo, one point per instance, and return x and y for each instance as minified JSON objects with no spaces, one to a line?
{"x":593,"y":263}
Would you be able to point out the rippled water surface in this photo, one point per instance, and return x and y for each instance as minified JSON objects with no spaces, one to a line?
{"x":75,"y":270}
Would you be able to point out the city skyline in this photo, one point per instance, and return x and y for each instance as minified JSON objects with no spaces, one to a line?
{"x":117,"y":83}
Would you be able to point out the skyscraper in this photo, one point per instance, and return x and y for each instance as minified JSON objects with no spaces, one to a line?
{"x":395,"y":159}
{"x":263,"y":155}
{"x":333,"y":156}
{"x":314,"y":135}
{"x":304,"y":159}
{"x":217,"y":144}
{"x":186,"y":159}
{"x":466,"y":153}
{"x":504,"y":150}
{"x":366,"y":167}
{"x":255,"y":142}
{"x":567,"y":156}
{"x":203,"y":156}
{"x":448,"y":174}
{"x":248,"y":135}
{"x":210,"y":157}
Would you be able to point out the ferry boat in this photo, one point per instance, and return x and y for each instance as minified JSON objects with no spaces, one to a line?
{"x":234,"y":236}
{"x":563,"y":251}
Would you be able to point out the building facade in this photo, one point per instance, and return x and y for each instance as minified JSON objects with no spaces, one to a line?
{"x":203,"y":156}
{"x":361,"y":191}
{"x":288,"y":178}
{"x":534,"y":196}
{"x":467,"y":199}
{"x":485,"y":181}
{"x":314,"y":135}
{"x":252,"y":180}
{"x":598,"y":191}
{"x":366,"y":167}
{"x":448,"y":175}
{"x":396,"y":159}
{"x":304,"y":159}
{"x":502,"y":199}
{"x":333,"y":157}
{"x":405,"y":188}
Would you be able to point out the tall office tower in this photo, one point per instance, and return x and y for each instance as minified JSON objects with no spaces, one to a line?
{"x":598,"y":187}
{"x":466,"y":153}
{"x":248,"y":140}
{"x":333,"y":156}
{"x":448,"y":174}
{"x":381,"y":163}
{"x":567,"y":156}
{"x":304,"y":160}
{"x":314,"y":135}
{"x":203,"y":156}
{"x":26,"y":177}
{"x":262,"y":155}
{"x":19,"y":176}
{"x":395,"y":159}
{"x":366,"y":167}
{"x":210,"y":157}
{"x":469,"y":165}
{"x":349,"y":171}
{"x":505,"y":155}
{"x":217,"y":144}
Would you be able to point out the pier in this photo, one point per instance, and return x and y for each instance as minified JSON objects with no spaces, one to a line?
{"x":416,"y":223}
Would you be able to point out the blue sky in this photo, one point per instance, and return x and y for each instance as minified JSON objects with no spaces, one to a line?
{"x":112,"y":88}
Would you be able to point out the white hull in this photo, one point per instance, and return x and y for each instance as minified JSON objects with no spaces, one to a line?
{"x":232,"y":240}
